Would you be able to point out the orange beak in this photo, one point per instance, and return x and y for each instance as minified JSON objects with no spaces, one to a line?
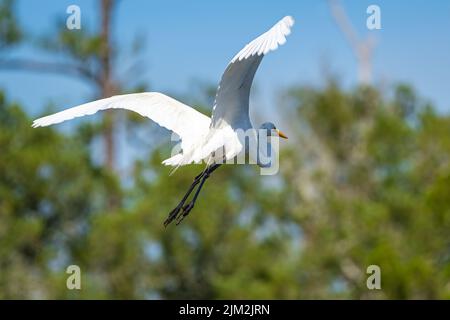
{"x":281,"y":134}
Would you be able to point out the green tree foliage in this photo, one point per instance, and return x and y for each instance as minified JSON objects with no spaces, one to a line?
{"x":368,"y":176}
{"x":364,"y":180}
{"x":10,"y":33}
{"x":48,"y":190}
{"x":362,"y":183}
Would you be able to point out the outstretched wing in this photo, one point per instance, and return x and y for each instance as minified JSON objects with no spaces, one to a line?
{"x":232,"y":98}
{"x":169,"y":113}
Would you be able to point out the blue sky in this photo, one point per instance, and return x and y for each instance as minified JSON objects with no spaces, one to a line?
{"x":190,"y":41}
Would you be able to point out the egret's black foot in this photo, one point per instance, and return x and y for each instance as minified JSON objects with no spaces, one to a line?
{"x":173,"y":214}
{"x":186,"y":209}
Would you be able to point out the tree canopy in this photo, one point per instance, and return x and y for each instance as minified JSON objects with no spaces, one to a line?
{"x":364,"y":180}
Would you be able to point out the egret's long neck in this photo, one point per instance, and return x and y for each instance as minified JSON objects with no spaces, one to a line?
{"x":264,"y":160}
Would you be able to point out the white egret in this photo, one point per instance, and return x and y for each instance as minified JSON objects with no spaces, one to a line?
{"x":201,"y":136}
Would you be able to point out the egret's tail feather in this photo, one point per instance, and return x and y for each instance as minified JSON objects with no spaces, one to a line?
{"x":173,"y":161}
{"x":176,"y":161}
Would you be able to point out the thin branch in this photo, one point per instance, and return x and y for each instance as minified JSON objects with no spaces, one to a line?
{"x":48,"y":67}
{"x":344,"y":24}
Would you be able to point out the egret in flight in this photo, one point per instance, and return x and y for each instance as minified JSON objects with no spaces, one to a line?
{"x":201,"y":136}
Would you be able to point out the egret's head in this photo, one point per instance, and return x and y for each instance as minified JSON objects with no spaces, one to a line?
{"x":272,"y":130}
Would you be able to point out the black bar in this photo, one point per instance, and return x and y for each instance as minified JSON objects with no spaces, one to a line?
{"x":225,"y":309}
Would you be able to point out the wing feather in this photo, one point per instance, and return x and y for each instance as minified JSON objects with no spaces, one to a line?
{"x":232,"y":97}
{"x":169,"y":113}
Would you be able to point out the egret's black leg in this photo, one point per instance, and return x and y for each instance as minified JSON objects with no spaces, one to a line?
{"x":187,"y":208}
{"x":173,"y":214}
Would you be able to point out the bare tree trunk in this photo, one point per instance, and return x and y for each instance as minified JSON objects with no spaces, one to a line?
{"x":106,"y":83}
{"x":364,"y":56}
{"x":108,"y":89}
{"x":362,"y":48}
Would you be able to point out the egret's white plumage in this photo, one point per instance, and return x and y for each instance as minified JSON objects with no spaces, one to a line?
{"x":200,"y":135}
{"x":166,"y":111}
